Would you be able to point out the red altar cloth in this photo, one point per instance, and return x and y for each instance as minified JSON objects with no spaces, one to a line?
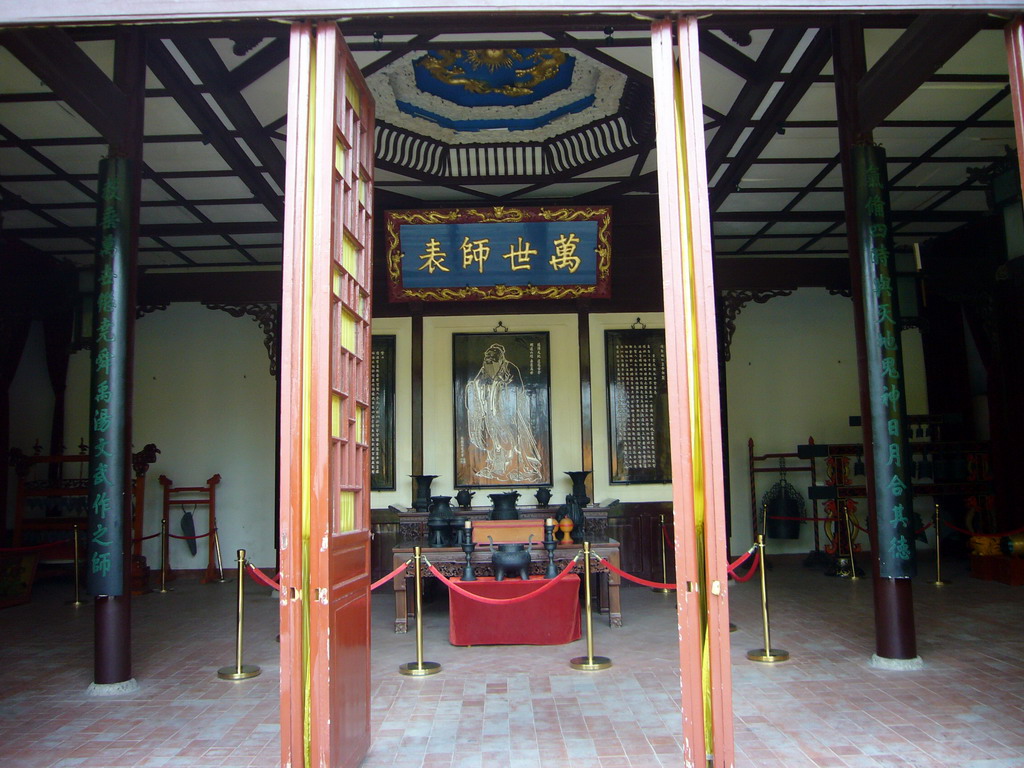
{"x":550,"y":619}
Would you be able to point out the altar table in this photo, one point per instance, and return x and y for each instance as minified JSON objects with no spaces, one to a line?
{"x":552,"y":618}
{"x":451,"y":560}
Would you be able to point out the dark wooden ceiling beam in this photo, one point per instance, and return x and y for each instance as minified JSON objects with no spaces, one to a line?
{"x":566,"y":40}
{"x":208,"y":65}
{"x":169,"y":72}
{"x":773,"y":58}
{"x":260,"y":63}
{"x":395,"y":54}
{"x":729,"y":56}
{"x":814,"y":58}
{"x":926,"y":45}
{"x":928,"y":155}
{"x":57,"y":60}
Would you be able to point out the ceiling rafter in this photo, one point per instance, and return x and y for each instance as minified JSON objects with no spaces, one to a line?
{"x":395,"y":54}
{"x":729,"y":56}
{"x":773,"y":58}
{"x":565,"y":40}
{"x":812,"y":186}
{"x":199,"y":112}
{"x":260,"y":63}
{"x":192,"y":206}
{"x":926,"y":45}
{"x":66,"y":70}
{"x":208,"y":65}
{"x":929,"y":153}
{"x":816,"y":55}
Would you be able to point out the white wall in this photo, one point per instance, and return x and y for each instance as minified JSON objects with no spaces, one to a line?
{"x":204,"y":395}
{"x":793,"y":375}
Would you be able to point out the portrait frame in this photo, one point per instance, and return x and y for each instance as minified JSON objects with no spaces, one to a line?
{"x":638,"y":430}
{"x":382,"y":412}
{"x":502,"y":411}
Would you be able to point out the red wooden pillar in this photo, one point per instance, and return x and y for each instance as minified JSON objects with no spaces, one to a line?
{"x":694,"y":409}
{"x":1015,"y":62}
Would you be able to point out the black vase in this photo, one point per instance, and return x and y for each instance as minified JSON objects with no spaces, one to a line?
{"x":543,"y":496}
{"x":572,"y":510}
{"x":421,"y":491}
{"x":504,"y":506}
{"x":579,"y":486}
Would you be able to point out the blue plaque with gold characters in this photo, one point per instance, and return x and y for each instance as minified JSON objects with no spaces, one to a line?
{"x":466,"y":254}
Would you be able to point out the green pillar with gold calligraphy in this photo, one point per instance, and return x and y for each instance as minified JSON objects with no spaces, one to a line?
{"x":109,"y":460}
{"x":894,"y":500}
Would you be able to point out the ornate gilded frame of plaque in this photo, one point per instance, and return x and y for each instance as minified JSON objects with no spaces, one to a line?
{"x":382,"y":413}
{"x":501,"y":385}
{"x":638,"y":440}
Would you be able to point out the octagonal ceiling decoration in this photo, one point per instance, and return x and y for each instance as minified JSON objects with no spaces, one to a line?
{"x":495,"y":95}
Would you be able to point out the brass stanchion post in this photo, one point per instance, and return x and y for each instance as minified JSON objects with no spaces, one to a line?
{"x":938,"y":556}
{"x":78,"y":571}
{"x":849,"y":539}
{"x":220,"y":560}
{"x":590,"y":662}
{"x":164,"y":555}
{"x":664,"y":559}
{"x":766,"y":654}
{"x":239,"y":671}
{"x":419,"y":668}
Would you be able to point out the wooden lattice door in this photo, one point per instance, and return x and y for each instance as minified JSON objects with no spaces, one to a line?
{"x":325,"y":481}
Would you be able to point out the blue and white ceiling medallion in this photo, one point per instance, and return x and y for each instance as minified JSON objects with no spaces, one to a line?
{"x":495,"y":95}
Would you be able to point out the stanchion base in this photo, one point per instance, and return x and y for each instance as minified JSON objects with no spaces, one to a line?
{"x":842,"y":568}
{"x":164,"y":591}
{"x":770,"y":656}
{"x":235,"y":673}
{"x":419,"y":670}
{"x":590,"y":663}
{"x":663,"y":590}
{"x":940,"y":582}
{"x":77,"y":603}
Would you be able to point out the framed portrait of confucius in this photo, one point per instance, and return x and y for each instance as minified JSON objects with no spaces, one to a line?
{"x":502,"y":391}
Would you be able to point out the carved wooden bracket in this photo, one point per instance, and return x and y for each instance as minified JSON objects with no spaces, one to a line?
{"x":268,"y":317}
{"x":732,"y":302}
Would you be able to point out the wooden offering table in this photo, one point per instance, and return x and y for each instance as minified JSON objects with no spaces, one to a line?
{"x":451,"y":560}
{"x":552,"y":618}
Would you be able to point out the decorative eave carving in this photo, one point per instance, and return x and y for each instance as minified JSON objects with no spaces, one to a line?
{"x":141,"y":310}
{"x":268,"y":317}
{"x":731,"y":303}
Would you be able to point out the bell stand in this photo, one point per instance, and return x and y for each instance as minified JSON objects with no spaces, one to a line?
{"x":201,"y":496}
{"x":816,"y":556}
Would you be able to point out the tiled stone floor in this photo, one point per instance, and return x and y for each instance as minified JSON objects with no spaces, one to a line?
{"x":523,"y":706}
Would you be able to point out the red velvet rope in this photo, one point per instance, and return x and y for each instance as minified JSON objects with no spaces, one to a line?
{"x":740,"y":560}
{"x":503,"y":601}
{"x":391,"y":575}
{"x":661,"y":585}
{"x":750,"y":571}
{"x":260,"y":577}
{"x":146,"y":538}
{"x":35,"y":547}
{"x":188,"y":538}
{"x":652,"y":584}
